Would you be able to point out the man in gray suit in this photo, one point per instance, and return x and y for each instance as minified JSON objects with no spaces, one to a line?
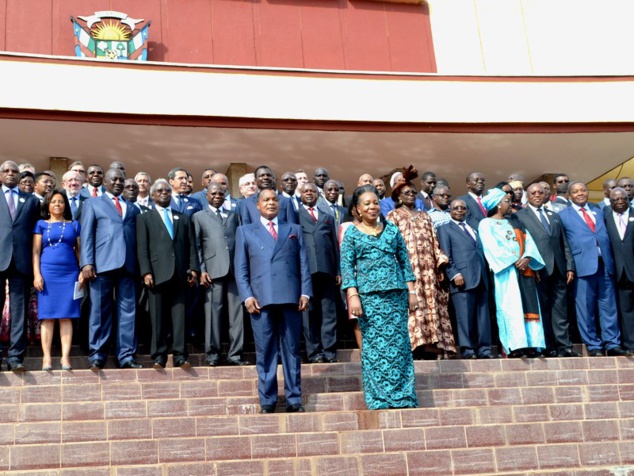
{"x":546,"y":229}
{"x":215,"y":239}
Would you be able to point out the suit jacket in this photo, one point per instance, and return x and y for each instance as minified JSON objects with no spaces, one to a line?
{"x":216,"y":242}
{"x":474,"y":213}
{"x":16,"y":236}
{"x":583,"y":242}
{"x":554,"y":248}
{"x":159,"y":254}
{"x":623,"y":250}
{"x":80,"y":203}
{"x":108,"y":241}
{"x":321,"y":242}
{"x":466,"y":257}
{"x":186,"y":205}
{"x":272,"y":271}
{"x":249,"y":213}
{"x":340,"y":214}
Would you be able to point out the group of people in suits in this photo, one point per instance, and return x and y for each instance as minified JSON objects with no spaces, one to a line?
{"x":276,"y":256}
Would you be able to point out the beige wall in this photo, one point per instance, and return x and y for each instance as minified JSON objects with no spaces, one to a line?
{"x":526,"y":37}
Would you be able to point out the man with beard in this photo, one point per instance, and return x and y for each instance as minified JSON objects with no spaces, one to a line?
{"x":273,"y":276}
{"x":379,"y":184}
{"x":473,"y":199}
{"x":179,"y":183}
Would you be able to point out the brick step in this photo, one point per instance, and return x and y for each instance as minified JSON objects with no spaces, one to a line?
{"x":323,"y":454}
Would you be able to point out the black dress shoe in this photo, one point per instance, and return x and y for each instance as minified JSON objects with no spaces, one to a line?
{"x":267,"y":409}
{"x":318,"y":360}
{"x":182,"y":363}
{"x":96,"y":365}
{"x":569,"y":353}
{"x":469,"y":357}
{"x":618,"y":352}
{"x":16,"y":367}
{"x":212,"y":363}
{"x":550,"y":353}
{"x":295,"y":408}
{"x":487,"y":356}
{"x":595,"y":353}
{"x":131,"y":364}
{"x":238,"y":363}
{"x":331,"y":360}
{"x":159,"y":363}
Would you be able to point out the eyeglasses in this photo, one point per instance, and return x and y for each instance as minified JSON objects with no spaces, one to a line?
{"x":459,"y":207}
{"x":409,"y":192}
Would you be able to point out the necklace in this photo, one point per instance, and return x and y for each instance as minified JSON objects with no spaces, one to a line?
{"x":48,"y":230}
{"x":371,"y":231}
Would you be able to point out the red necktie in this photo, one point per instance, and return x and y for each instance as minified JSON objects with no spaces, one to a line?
{"x":484,"y":212}
{"x":94,"y":191}
{"x":588,"y":220}
{"x":312,"y":213}
{"x":118,"y":206}
{"x":272,"y":230}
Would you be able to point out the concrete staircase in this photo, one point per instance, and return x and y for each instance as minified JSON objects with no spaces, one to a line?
{"x":538,"y":416}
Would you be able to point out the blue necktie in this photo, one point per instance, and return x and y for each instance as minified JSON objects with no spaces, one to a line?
{"x":168,"y":223}
{"x":543,"y":220}
{"x":73,"y":206}
{"x":464,"y":228}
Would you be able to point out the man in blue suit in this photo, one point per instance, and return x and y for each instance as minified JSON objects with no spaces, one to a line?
{"x":594,"y":284}
{"x":19,"y":212}
{"x":181,"y":202}
{"x":273,"y":277}
{"x":108,"y":262}
{"x":468,"y":282}
{"x":247,"y":208}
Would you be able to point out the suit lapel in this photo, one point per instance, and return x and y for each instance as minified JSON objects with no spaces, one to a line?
{"x":282,"y":235}
{"x":263,"y":234}
{"x":463,"y":234}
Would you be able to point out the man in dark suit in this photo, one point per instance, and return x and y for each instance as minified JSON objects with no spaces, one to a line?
{"x":109,"y":263}
{"x":71,"y":182}
{"x":215,"y":241}
{"x":19,"y":212}
{"x":289,"y":188}
{"x":560,"y":184}
{"x":168,"y":263}
{"x":273,"y":276}
{"x":546,"y":229}
{"x":594,"y":264}
{"x":331,"y":192}
{"x":247,"y":208}
{"x":320,"y":236}
{"x":473,"y":198}
{"x":468,"y":283}
{"x":619,"y":221}
{"x":181,"y":202}
{"x":608,"y":185}
{"x":427,"y":185}
{"x":94,"y":187}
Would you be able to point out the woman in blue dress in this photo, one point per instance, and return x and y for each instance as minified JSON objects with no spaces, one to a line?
{"x":513,"y":257}
{"x":55,"y":270}
{"x":379,"y":284}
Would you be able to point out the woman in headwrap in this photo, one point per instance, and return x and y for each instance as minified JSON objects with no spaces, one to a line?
{"x":513,"y":258}
{"x":429,"y":325}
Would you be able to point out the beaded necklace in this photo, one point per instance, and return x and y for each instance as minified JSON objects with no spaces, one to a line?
{"x":48,"y":237}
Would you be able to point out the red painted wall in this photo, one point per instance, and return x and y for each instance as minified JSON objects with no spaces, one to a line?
{"x":321,"y":34}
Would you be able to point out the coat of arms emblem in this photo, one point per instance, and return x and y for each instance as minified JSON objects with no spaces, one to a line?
{"x":111,"y":35}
